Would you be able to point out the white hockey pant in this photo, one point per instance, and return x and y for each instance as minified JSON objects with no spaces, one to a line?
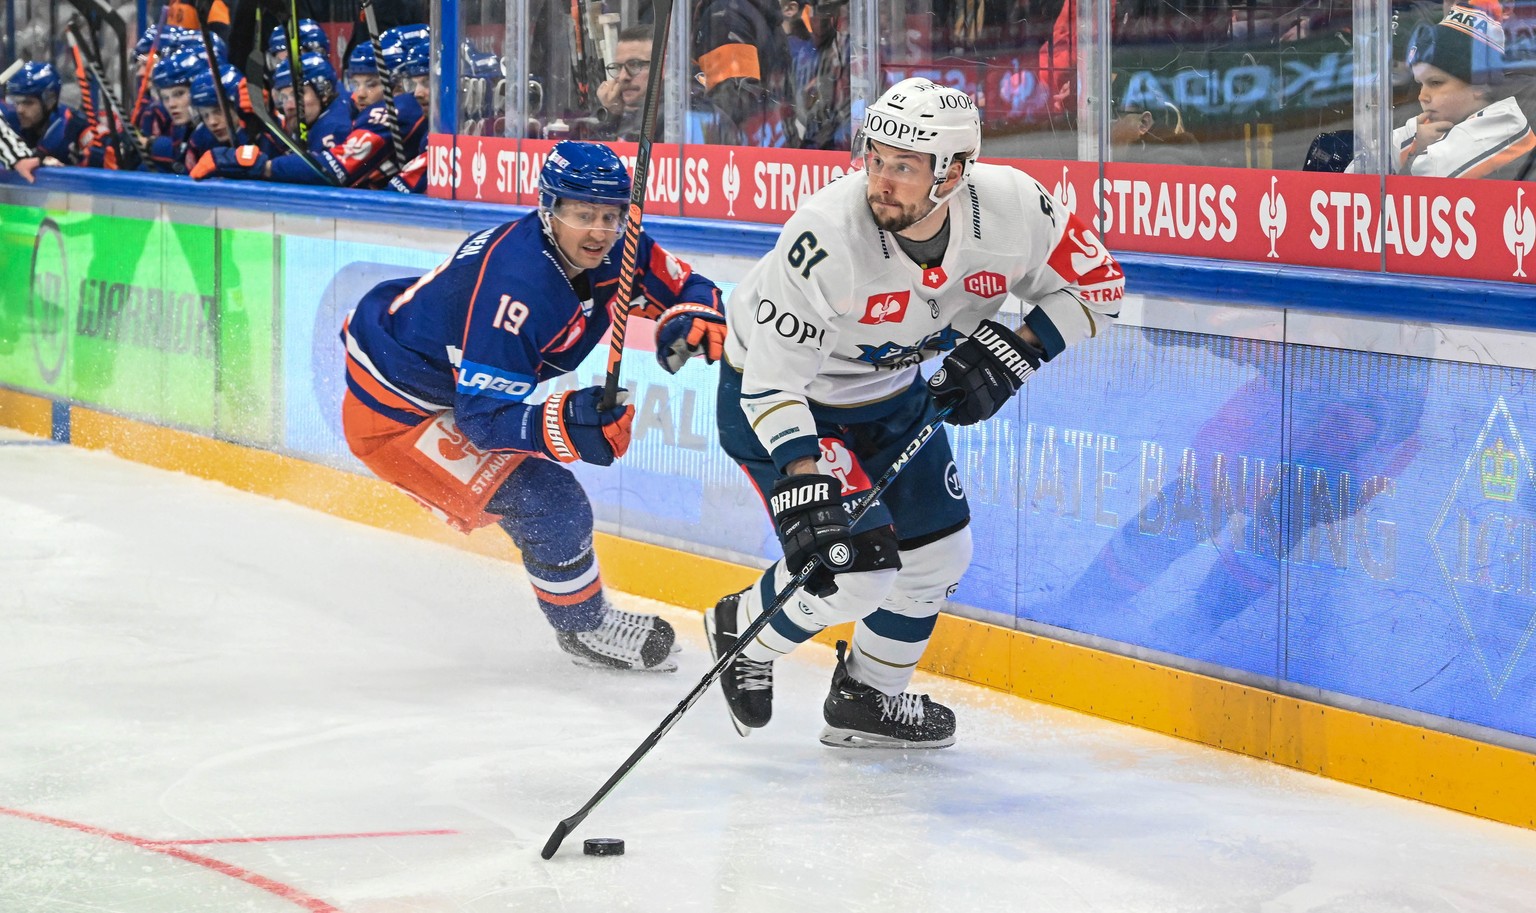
{"x":894,"y":611}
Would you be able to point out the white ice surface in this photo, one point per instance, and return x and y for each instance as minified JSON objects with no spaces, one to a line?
{"x":180,"y":661}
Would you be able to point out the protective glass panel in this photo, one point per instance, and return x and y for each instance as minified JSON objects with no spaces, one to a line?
{"x":1017,"y":60}
{"x":1213,"y":83}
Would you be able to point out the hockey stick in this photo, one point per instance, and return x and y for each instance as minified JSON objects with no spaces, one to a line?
{"x":662,"y":19}
{"x":92,"y":64}
{"x":392,"y":123}
{"x":256,"y":78}
{"x":564,"y":828}
{"x":296,"y":67}
{"x":107,"y":16}
{"x":149,"y":64}
{"x":12,"y":147}
{"x":204,"y":9}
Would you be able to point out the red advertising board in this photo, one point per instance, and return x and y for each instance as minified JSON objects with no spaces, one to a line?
{"x":1428,"y":226}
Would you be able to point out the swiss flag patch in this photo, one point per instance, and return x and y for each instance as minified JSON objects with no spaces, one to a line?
{"x":934,"y":276}
{"x":886,"y":307}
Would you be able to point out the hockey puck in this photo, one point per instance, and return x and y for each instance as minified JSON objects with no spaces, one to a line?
{"x":603,"y":846}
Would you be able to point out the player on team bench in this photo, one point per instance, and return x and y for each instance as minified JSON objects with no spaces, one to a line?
{"x":876,"y":273}
{"x":439,"y":368}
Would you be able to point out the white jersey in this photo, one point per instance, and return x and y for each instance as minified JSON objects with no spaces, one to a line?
{"x":838,"y":314}
{"x":1493,"y":138}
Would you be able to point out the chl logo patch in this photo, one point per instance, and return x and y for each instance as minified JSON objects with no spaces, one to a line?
{"x":886,"y":307}
{"x":986,"y":284}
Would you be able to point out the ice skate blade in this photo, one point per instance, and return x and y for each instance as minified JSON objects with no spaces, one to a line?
{"x":852,"y":738}
{"x":714,"y":657}
{"x":666,"y":665}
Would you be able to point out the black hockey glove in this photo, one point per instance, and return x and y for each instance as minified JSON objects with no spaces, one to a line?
{"x":983,"y":372}
{"x":809,"y":516}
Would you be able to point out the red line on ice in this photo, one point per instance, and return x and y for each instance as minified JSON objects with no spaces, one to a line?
{"x":280,"y":839}
{"x":169,"y":848}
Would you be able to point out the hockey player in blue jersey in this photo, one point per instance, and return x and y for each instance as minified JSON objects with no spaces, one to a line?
{"x":362,"y":157}
{"x":51,"y":129}
{"x":439,"y":369}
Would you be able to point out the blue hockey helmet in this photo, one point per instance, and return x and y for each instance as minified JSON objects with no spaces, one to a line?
{"x":361,"y":60}
{"x":180,"y":67}
{"x":145,"y":42}
{"x":482,"y":64}
{"x":397,"y":41}
{"x":311,"y":38}
{"x":590,"y":172}
{"x":203,"y":94}
{"x":418,"y":60}
{"x":318,"y":75}
{"x":36,"y":78}
{"x":169,"y":36}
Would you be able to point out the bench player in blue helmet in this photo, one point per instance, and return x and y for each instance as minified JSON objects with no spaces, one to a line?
{"x":214,"y":130}
{"x":51,"y":129}
{"x":358,"y":158}
{"x":311,"y":38}
{"x":440,"y":367}
{"x":326,"y":113}
{"x":172,"y":78}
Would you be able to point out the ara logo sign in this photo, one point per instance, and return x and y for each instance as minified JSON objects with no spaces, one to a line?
{"x":986,"y":284}
{"x":886,"y":307}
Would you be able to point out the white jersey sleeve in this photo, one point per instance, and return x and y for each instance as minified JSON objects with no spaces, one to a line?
{"x":1075,"y":284}
{"x":787,"y":330}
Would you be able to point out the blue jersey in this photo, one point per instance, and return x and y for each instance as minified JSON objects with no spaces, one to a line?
{"x":362,"y":157}
{"x":332,"y":126}
{"x":480,"y":331}
{"x":203,"y":140}
{"x":62,"y":137}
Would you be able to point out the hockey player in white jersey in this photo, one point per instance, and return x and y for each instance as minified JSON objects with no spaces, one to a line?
{"x":908,"y":258}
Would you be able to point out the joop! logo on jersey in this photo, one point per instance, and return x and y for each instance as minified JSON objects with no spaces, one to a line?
{"x":986,"y":284}
{"x":886,"y":307}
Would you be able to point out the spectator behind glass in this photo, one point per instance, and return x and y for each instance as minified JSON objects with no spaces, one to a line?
{"x":1469,"y":127}
{"x":742,"y":51}
{"x":1152,"y":132}
{"x":825,"y":101}
{"x":622,"y":94}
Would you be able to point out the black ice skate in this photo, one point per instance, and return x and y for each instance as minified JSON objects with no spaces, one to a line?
{"x":748,"y":685}
{"x":858,"y":716}
{"x":624,"y":640}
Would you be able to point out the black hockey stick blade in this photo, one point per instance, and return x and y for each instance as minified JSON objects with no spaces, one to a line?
{"x":748,"y":634}
{"x":662,"y":19}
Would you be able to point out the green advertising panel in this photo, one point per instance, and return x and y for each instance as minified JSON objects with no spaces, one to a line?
{"x":158,"y":319}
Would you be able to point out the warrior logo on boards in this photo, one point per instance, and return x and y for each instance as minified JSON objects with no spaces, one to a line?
{"x":48,"y":306}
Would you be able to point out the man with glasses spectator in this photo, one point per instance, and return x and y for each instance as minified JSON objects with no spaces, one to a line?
{"x":622,"y":94}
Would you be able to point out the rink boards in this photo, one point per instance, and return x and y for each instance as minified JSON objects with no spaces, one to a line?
{"x":1301,"y":536}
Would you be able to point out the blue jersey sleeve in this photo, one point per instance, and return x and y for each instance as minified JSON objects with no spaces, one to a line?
{"x":664,"y":279}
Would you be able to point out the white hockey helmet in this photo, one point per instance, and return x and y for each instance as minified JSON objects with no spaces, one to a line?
{"x":922,"y":116}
